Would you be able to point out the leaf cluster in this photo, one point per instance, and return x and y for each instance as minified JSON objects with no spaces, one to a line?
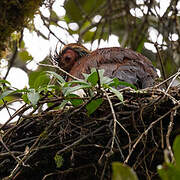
{"x":93,"y":87}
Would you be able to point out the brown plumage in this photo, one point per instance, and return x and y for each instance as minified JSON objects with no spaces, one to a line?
{"x":124,"y":64}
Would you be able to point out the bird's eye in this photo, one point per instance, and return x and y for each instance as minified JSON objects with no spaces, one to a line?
{"x":67,"y":58}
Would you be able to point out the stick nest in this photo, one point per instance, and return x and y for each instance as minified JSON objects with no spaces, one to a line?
{"x":69,"y":144}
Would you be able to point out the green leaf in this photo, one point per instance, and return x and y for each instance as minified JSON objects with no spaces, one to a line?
{"x":75,"y":102}
{"x":93,"y":78}
{"x":33,"y":96}
{"x":162,"y":173}
{"x":57,"y":76}
{"x":8,"y":98}
{"x":41,"y":81}
{"x":77,"y":82}
{"x":22,"y":45}
{"x":85,"y":76}
{"x":38,"y":79}
{"x":90,"y":6}
{"x":9,"y":92}
{"x":103,"y":79}
{"x":168,"y":172}
{"x":117,"y":83}
{"x":123,"y":172}
{"x":6,"y":93}
{"x":64,"y":102}
{"x":24,"y":55}
{"x":21,"y":90}
{"x":93,"y":105}
{"x":69,"y":90}
{"x":88,"y":36}
{"x":66,"y":19}
{"x":117,"y":93}
{"x":44,"y":134}
{"x":59,"y":160}
{"x":141,"y":44}
{"x":2,"y":81}
{"x":53,"y":17}
{"x":25,"y":98}
{"x":52,"y":88}
{"x":74,"y":11}
{"x":176,"y":149}
{"x":32,"y":77}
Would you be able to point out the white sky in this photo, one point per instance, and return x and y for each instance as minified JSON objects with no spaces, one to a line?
{"x":39,"y":48}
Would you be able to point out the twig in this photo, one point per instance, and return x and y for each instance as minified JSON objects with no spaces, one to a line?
{"x":114,"y":125}
{"x":10,"y":102}
{"x":174,"y":78}
{"x":129,"y":138}
{"x":150,"y":127}
{"x":11,"y":61}
{"x":70,"y":170}
{"x":161,"y":62}
{"x":162,"y":135}
{"x":5,"y":104}
{"x":62,"y":70}
{"x":6,"y":154}
{"x":115,"y":121}
{"x":169,"y":96}
{"x":79,"y":140}
{"x":170,"y":127}
{"x":47,"y":26}
{"x":158,"y":85}
{"x":12,"y":154}
{"x":19,"y":111}
{"x":23,"y":160}
{"x":104,"y":169}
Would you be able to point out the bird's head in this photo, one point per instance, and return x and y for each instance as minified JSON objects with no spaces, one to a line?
{"x":70,"y":54}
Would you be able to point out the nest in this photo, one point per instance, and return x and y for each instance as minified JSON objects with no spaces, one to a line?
{"x":69,"y":144}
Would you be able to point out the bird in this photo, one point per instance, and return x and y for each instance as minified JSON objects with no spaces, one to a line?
{"x":122,"y":63}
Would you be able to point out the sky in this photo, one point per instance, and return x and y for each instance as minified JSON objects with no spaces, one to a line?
{"x":39,"y":48}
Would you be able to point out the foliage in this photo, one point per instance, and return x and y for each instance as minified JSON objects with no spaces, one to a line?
{"x":93,"y":82}
{"x":122,"y":171}
{"x":59,"y":160}
{"x":170,"y":170}
{"x":93,"y":105}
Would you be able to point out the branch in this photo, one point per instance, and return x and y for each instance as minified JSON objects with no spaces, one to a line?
{"x":63,"y":71}
{"x":11,"y":61}
{"x":161,"y":62}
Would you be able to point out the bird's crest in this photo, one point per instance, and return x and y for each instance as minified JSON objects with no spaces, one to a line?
{"x":80,"y":49}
